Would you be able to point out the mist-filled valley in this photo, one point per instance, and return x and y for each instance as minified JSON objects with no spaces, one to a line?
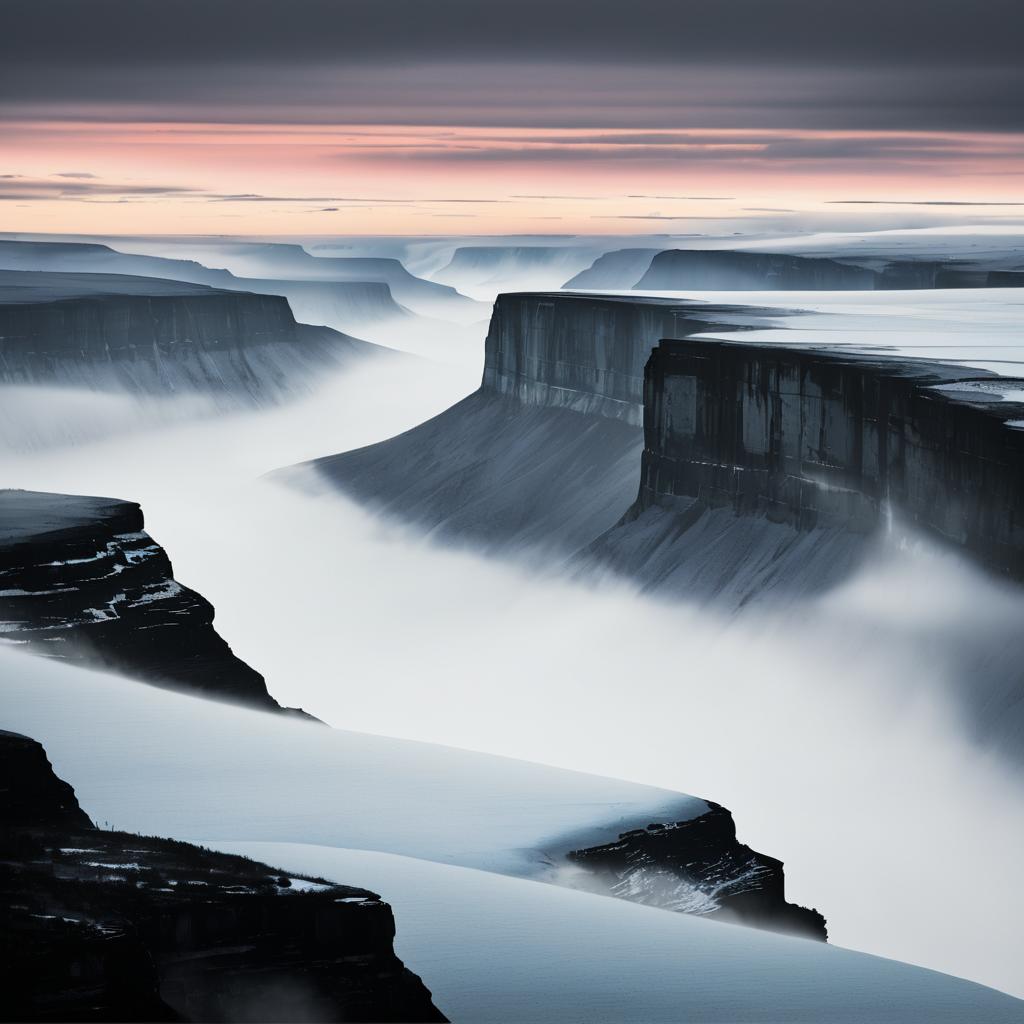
{"x":728,"y":545}
{"x":836,"y":731}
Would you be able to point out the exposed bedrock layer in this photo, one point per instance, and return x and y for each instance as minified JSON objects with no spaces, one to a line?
{"x":547,"y":452}
{"x":808,"y":447}
{"x":81,"y":580}
{"x":698,"y":866}
{"x":154,"y":336}
{"x":110,"y":926}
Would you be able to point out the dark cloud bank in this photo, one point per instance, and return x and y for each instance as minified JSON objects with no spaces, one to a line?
{"x":874,"y":64}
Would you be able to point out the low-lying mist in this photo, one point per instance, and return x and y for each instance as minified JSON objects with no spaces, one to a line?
{"x":834,"y":733}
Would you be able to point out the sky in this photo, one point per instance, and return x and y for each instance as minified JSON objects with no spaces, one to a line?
{"x":457,"y":117}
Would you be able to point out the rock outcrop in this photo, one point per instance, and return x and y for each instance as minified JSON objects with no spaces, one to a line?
{"x":81,"y":580}
{"x":698,"y":867}
{"x":110,"y":926}
{"x":147,"y":336}
{"x":30,"y":791}
{"x":763,"y":466}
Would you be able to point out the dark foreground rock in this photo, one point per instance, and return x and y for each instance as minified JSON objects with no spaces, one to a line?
{"x":698,"y":867}
{"x":109,"y":926}
{"x":81,"y":580}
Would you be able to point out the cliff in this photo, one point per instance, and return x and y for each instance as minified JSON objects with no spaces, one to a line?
{"x":698,"y":867}
{"x":727,"y":270}
{"x":787,"y":457}
{"x":110,"y":926}
{"x":80,"y":580}
{"x":545,"y":455}
{"x":583,"y":352}
{"x":722,"y":270}
{"x":348,"y":306}
{"x":112,"y":332}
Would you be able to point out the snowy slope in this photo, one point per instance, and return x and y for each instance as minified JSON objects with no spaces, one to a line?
{"x":156,"y":762}
{"x":494,"y":949}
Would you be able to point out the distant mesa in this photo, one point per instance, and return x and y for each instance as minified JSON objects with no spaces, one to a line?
{"x":161,"y":337}
{"x":731,"y":270}
{"x":80,"y":580}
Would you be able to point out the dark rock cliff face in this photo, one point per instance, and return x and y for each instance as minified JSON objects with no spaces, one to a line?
{"x":30,"y":792}
{"x":153,"y":336}
{"x":722,"y":270}
{"x":581,"y":352}
{"x":698,"y":867}
{"x":81,"y":581}
{"x":109,"y":926}
{"x":545,"y":455}
{"x":811,"y":439}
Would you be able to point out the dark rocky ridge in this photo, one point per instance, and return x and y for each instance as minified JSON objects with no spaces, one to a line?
{"x":156,"y":336}
{"x":545,"y":454}
{"x":110,"y":926}
{"x":698,"y":867}
{"x":80,"y":580}
{"x":808,"y":440}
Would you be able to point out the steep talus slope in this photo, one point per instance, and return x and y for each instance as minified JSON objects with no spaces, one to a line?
{"x":548,"y":447}
{"x":765,"y":468}
{"x":146,"y":336}
{"x":100,"y":926}
{"x":81,"y":580}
